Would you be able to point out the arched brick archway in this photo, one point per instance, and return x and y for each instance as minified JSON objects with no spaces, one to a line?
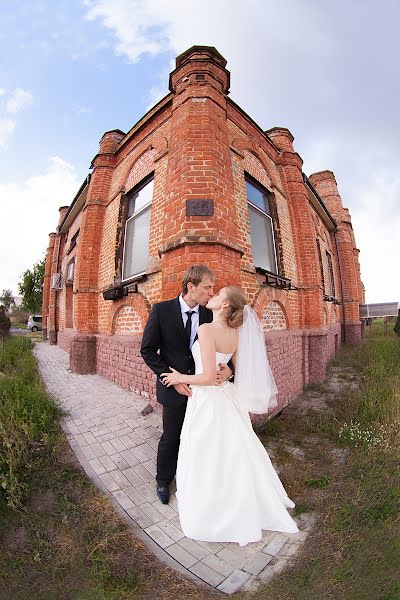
{"x":129,"y":316}
{"x":273,"y":317}
{"x":273,"y":309}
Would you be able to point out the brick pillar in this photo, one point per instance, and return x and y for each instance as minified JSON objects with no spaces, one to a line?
{"x":47,"y":283}
{"x":86,"y":284}
{"x":91,"y":229}
{"x":55,"y":268}
{"x":309,"y":280}
{"x":325,"y":184}
{"x":199,"y":169}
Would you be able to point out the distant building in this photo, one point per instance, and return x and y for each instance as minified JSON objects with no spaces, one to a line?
{"x":197,"y":180}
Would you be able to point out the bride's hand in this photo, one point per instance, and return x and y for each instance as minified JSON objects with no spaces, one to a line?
{"x":173,"y":378}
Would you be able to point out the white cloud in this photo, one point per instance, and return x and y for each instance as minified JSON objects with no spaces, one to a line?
{"x":24,"y":233}
{"x":7,"y":127}
{"x":137,"y":24}
{"x":19,"y":100}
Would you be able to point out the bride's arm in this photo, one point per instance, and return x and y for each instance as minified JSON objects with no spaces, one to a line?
{"x":208,"y":359}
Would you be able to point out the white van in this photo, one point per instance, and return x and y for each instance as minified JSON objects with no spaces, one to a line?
{"x":35,"y":323}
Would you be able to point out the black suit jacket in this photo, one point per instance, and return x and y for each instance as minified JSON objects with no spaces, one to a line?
{"x":164,"y":345}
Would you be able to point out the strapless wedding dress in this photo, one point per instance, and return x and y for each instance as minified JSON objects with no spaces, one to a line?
{"x":227,"y":488}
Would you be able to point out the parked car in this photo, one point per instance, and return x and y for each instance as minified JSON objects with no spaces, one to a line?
{"x":35,"y":323}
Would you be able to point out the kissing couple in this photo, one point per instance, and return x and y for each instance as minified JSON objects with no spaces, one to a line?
{"x":227,"y":488}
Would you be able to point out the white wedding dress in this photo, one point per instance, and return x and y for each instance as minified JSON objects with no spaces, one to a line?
{"x":227,"y":488}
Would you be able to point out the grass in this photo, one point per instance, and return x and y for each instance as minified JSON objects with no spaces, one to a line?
{"x":356,"y":543}
{"x":65,"y":540}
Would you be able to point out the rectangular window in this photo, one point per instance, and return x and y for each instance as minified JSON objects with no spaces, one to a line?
{"x":137,"y":231}
{"x":261,"y":228}
{"x":331,"y":276}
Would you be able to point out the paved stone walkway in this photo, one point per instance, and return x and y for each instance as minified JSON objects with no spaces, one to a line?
{"x":117,"y":447}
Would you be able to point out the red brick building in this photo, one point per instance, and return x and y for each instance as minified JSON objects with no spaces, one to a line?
{"x":197,"y":180}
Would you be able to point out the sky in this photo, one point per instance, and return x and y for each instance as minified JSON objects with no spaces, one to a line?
{"x":327,"y":70}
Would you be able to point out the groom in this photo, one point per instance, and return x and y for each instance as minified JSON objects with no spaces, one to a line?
{"x":167,"y":341}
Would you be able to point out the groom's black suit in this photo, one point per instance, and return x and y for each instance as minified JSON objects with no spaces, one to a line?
{"x":165,"y":345}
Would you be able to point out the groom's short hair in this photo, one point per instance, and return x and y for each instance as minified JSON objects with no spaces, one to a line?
{"x":194,"y":275}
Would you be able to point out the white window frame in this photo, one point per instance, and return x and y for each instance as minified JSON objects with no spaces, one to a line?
{"x":135,"y":214}
{"x":265,"y":215}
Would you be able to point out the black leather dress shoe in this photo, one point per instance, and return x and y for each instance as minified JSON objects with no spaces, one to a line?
{"x":163,"y":493}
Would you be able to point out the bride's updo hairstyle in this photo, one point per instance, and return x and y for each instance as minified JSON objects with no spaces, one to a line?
{"x":237,"y":301}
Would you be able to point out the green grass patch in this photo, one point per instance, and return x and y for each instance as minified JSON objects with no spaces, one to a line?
{"x":28,"y":419}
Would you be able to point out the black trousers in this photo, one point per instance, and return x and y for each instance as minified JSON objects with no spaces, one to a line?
{"x":168,"y":447}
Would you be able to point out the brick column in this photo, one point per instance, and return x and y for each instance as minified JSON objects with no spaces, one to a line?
{"x":199,"y":169}
{"x":309,"y":281}
{"x":91,"y":230}
{"x":86,"y":285}
{"x":47,"y":283}
{"x":55,"y":268}
{"x":325,"y":184}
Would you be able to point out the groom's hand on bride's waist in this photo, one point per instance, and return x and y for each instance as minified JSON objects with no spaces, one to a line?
{"x":183,"y":389}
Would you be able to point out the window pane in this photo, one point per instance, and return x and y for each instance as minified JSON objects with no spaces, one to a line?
{"x":136,"y":249}
{"x":257,"y":197}
{"x":262,"y":242}
{"x":141,"y":198}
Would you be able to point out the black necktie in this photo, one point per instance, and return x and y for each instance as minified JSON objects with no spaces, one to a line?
{"x":188,"y":326}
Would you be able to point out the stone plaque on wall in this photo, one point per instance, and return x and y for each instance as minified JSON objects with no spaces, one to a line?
{"x":199,"y":208}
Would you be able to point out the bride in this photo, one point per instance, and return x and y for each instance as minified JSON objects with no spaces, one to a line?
{"x":227,"y":488}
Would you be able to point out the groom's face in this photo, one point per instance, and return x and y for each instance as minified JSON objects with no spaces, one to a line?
{"x":201,"y":294}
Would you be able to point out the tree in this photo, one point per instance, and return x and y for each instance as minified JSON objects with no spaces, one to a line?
{"x":5,"y":323}
{"x":6,"y":298}
{"x":31,"y":287}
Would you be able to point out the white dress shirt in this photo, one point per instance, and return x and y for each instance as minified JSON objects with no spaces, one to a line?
{"x":195,"y":318}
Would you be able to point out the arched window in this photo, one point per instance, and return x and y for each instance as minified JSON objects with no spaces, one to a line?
{"x":261,"y":226}
{"x":137,"y":230}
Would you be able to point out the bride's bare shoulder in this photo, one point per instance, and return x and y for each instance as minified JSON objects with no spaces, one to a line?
{"x":206,"y":329}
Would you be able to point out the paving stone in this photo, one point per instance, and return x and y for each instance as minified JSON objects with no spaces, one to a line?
{"x":97,"y":466}
{"x":207,"y":574}
{"x":257,"y":563}
{"x":139,"y":454}
{"x":231,"y":558}
{"x":219,"y":565}
{"x":212,"y":547}
{"x":152,"y":512}
{"x":164,"y":509}
{"x":123,"y":499}
{"x":108,"y":463}
{"x":121,"y":480}
{"x":193,"y":548}
{"x":88,"y":452}
{"x":132,"y":476}
{"x":118,"y":445}
{"x":136,"y":497}
{"x":108,"y":447}
{"x":119,"y":461}
{"x":130,"y":458}
{"x":159,"y":536}
{"x":275,"y":545}
{"x":174,"y":532}
{"x":144,"y":474}
{"x":109,"y":482}
{"x":149,"y":494}
{"x":234,"y":582}
{"x":151,"y":467}
{"x":182,"y":556}
{"x":139,"y":517}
